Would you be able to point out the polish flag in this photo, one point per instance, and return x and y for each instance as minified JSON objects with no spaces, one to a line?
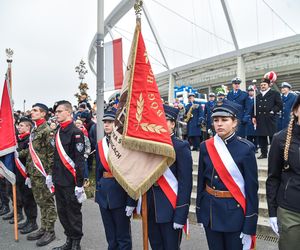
{"x":113,"y":65}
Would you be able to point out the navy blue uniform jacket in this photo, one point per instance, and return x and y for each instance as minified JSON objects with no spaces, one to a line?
{"x":109,"y":193}
{"x":225,"y":214}
{"x":240,"y":98}
{"x":250,"y":131}
{"x":285,"y":115}
{"x":182,"y":169}
{"x":207,"y":113}
{"x":193,"y":125}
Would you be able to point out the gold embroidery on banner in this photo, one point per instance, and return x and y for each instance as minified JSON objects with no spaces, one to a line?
{"x":154,"y":128}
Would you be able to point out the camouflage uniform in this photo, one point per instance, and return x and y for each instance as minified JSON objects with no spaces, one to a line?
{"x":43,"y":144}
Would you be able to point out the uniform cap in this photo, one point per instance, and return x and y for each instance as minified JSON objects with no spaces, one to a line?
{"x":109,"y":114}
{"x":212,"y":94}
{"x":171,"y":112}
{"x":269,"y":77}
{"x":286,"y":85}
{"x":220,"y":93}
{"x":226,"y":108}
{"x":191,"y":94}
{"x":236,"y":80}
{"x":42,"y":106}
{"x":250,"y":88}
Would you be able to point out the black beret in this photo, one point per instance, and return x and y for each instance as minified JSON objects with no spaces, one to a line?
{"x":25,"y":119}
{"x":60,"y":103}
{"x":42,"y":106}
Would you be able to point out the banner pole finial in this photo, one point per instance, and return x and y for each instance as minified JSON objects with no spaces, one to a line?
{"x":9,"y":55}
{"x":138,"y":9}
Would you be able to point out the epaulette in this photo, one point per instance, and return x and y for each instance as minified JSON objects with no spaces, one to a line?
{"x":250,"y":144}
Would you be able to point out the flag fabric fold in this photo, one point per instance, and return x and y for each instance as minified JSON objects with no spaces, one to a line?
{"x":140,"y":148}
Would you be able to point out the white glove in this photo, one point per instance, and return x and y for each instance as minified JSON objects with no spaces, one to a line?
{"x":28,"y":182}
{"x":246,"y":241}
{"x":129,"y":210}
{"x":177,"y":226}
{"x":80,"y":194}
{"x":49,"y":182}
{"x":16,"y":154}
{"x":274,"y":225}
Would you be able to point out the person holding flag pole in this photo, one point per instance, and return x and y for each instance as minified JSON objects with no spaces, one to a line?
{"x":39,"y":161}
{"x":8,"y":142}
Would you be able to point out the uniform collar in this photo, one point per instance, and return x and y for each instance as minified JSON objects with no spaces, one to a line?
{"x":40,"y":122}
{"x":230,"y":138}
{"x":65,"y":124}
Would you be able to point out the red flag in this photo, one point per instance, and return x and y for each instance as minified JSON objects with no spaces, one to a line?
{"x":7,"y":129}
{"x":141,"y":148}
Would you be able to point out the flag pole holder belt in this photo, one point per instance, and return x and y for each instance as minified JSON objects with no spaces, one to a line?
{"x":218,"y":193}
{"x":107,"y":175}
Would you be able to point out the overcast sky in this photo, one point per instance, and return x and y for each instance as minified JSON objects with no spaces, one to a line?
{"x":51,"y":37}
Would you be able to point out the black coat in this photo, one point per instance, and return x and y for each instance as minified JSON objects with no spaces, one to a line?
{"x":72,"y":140}
{"x":22,"y":144}
{"x":283,"y":186}
{"x":267,"y":107}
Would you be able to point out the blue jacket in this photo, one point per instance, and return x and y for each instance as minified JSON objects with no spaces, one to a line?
{"x":208,"y":112}
{"x":225,"y":214}
{"x":249,"y":110}
{"x":284,"y":116}
{"x":194,"y":124}
{"x":109,"y":193}
{"x":182,"y":169}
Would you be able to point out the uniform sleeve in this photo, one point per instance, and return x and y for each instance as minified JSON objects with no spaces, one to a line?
{"x":275,"y":164}
{"x":23,"y":153}
{"x":278,"y":103}
{"x":78,"y":142}
{"x":185,"y":181}
{"x":50,"y":151}
{"x":201,"y":114}
{"x":200,"y":182}
{"x":251,"y":189}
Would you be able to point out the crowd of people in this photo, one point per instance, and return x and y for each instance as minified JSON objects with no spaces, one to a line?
{"x":57,"y":147}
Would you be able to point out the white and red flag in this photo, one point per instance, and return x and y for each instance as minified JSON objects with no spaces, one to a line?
{"x":8,"y":143}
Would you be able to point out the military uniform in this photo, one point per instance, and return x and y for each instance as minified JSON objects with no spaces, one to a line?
{"x":68,"y":207}
{"x":240,"y":97}
{"x":112,"y":200}
{"x":216,"y":208}
{"x":161,"y":214}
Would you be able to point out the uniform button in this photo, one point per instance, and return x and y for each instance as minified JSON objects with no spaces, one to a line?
{"x":259,"y":106}
{"x":264,"y":112}
{"x":259,"y":112}
{"x":214,"y":187}
{"x":216,"y":177}
{"x":238,"y":205}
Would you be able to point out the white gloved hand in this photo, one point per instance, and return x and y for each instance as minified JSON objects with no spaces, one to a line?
{"x":80,"y":194}
{"x":28,"y":182}
{"x":16,"y":154}
{"x":177,"y":226}
{"x":49,"y":182}
{"x":274,"y":225}
{"x":246,"y":241}
{"x":129,"y":210}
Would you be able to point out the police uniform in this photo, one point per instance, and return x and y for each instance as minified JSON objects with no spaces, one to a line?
{"x":41,"y":142}
{"x":287,"y":101}
{"x":239,"y":97}
{"x":222,"y":216}
{"x":113,"y":200}
{"x":68,"y":207}
{"x":161,"y":215}
{"x":194,"y":124}
{"x":250,"y":131}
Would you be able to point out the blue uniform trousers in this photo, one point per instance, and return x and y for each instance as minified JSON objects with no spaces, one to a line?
{"x":195,"y":141}
{"x":117,"y":228}
{"x":162,"y":236}
{"x":223,"y":240}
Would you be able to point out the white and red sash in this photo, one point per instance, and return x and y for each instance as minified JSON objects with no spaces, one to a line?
{"x":37,"y":162}
{"x":169,"y":185}
{"x":103,"y":153}
{"x":228,"y":171}
{"x":21,"y":167}
{"x":66,"y":160}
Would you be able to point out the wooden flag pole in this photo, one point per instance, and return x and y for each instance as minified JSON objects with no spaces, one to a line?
{"x":9,"y":53}
{"x":145,"y":221}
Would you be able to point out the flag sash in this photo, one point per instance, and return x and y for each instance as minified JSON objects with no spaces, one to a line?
{"x":37,"y":162}
{"x":228,"y":172}
{"x":169,"y":185}
{"x":66,"y":160}
{"x":21,"y":167}
{"x":103,"y":153}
